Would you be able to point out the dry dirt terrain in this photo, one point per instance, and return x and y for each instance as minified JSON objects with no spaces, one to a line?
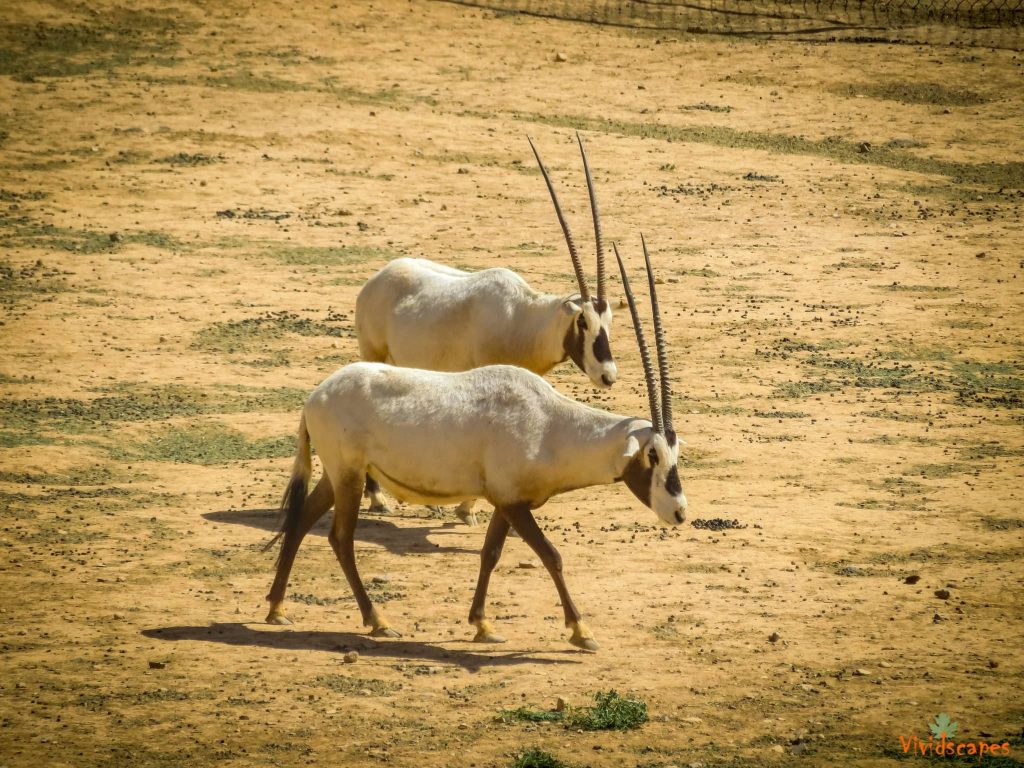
{"x":192,"y":195}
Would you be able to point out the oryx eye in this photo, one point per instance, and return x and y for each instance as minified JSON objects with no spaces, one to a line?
{"x":652,"y":455}
{"x":581,"y":321}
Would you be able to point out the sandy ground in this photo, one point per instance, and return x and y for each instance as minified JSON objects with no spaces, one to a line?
{"x":191,"y":199}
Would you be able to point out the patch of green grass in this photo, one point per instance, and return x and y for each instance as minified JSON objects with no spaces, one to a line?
{"x":205,"y":444}
{"x":939,"y":471}
{"x":913,"y":93}
{"x":1003,"y":523}
{"x":903,"y":287}
{"x":1009,"y":174}
{"x":610,"y":712}
{"x":189,"y":159}
{"x":127,"y":403}
{"x":10,"y":196}
{"x":24,"y":232}
{"x":527,"y":715}
{"x":235,"y":336}
{"x":797,"y":389}
{"x":18,"y":283}
{"x":245,"y":80}
{"x":356,"y":685}
{"x":76,"y":476}
{"x":781,"y":414}
{"x":328,"y":256}
{"x":119,"y":37}
{"x":536,"y":758}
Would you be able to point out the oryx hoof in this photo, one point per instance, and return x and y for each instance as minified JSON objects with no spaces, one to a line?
{"x":276,"y":617}
{"x":467,"y":516}
{"x":583,"y":638}
{"x":380,"y":508}
{"x":384,"y":632}
{"x":485,"y":633}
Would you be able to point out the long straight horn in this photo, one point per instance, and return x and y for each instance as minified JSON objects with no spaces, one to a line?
{"x":645,"y":356}
{"x":659,"y":345}
{"x":601,"y":283}
{"x":577,"y":267}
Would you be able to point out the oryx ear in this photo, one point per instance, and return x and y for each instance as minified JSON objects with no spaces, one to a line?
{"x":570,"y":307}
{"x":632,"y":448}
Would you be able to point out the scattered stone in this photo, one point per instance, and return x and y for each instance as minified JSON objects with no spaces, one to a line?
{"x":937,"y":618}
{"x":861,"y":672}
{"x":942,"y":594}
{"x":527,"y":564}
{"x":118,"y":617}
{"x":157,"y":664}
{"x":561,"y":57}
{"x":692,"y":720}
{"x":913,"y":579}
{"x":884,"y":664}
{"x":850,"y":570}
{"x":717,"y":524}
{"x":561,"y":704}
{"x":115,"y":237}
{"x":778,"y":749}
{"x":992,"y":663}
{"x":351,"y":657}
{"x":774,"y":637}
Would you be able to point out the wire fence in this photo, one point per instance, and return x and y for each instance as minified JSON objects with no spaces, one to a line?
{"x":989,"y":23}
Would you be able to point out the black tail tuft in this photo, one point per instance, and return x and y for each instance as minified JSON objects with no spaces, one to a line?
{"x":291,"y":511}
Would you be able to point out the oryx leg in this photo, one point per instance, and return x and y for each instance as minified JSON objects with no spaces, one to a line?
{"x":521,"y":519}
{"x":494,"y":541}
{"x":316,"y":504}
{"x":347,"y":493}
{"x":377,"y":501}
{"x":466,"y":514}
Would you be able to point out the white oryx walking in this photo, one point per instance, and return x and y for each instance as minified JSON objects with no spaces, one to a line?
{"x":498,"y":432}
{"x":415,"y":313}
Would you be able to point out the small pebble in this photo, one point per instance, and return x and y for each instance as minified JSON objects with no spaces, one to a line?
{"x":774,"y":637}
{"x":861,"y":672}
{"x":157,"y":664}
{"x":942,"y":594}
{"x":912,"y":579}
{"x":351,"y":657}
{"x":561,"y":57}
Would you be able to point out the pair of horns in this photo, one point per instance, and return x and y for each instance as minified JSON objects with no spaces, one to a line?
{"x":576,"y":265}
{"x":661,"y":413}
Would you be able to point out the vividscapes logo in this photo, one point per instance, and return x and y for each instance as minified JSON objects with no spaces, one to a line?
{"x":942,"y":744}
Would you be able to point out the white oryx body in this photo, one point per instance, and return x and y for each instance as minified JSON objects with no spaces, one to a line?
{"x":497,"y":432}
{"x":415,"y":313}
{"x":500,"y":433}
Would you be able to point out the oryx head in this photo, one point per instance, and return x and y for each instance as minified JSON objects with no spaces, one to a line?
{"x":651,"y":455}
{"x":587,"y":338}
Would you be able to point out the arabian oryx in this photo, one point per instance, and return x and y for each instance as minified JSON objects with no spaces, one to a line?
{"x":500,"y":432}
{"x":418,"y":314}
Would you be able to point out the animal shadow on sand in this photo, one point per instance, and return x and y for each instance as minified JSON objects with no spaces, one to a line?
{"x":337,"y":642}
{"x":372,"y":529}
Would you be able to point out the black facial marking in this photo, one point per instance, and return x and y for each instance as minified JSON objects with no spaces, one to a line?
{"x":602,"y":352}
{"x":637,"y":478}
{"x":672,"y":484}
{"x":652,"y":456}
{"x":572,"y":345}
{"x":581,"y":321}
